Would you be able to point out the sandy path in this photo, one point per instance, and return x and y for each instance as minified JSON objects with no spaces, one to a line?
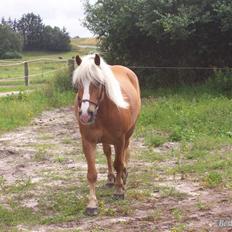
{"x":48,"y":155}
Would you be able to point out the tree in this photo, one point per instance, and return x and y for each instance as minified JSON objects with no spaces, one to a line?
{"x":31,"y":28}
{"x":163,"y":32}
{"x":55,"y":39}
{"x":11,"y":23}
{"x":10,"y":42}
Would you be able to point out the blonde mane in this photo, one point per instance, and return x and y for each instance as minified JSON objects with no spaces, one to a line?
{"x":102,"y":74}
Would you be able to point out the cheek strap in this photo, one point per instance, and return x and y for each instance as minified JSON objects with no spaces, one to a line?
{"x":100,"y":98}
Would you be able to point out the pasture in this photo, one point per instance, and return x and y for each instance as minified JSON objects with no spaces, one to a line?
{"x":179,"y":173}
{"x":42,"y":67}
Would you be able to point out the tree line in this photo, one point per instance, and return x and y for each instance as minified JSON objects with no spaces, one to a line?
{"x":164,"y":33}
{"x":30,"y":33}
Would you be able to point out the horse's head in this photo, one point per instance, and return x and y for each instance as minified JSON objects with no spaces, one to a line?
{"x":90,"y":94}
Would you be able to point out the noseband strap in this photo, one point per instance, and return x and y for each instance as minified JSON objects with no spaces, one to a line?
{"x":100,"y":97}
{"x":85,"y":100}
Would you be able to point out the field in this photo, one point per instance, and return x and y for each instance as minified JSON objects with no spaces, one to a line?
{"x":11,"y":77}
{"x":179,"y":174}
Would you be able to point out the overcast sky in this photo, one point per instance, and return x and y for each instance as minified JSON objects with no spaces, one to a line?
{"x":61,"y":13}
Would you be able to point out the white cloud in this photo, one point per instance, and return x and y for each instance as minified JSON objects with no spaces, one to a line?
{"x":68,"y":14}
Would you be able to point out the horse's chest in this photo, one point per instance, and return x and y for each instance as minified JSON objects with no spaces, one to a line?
{"x":108,"y":136}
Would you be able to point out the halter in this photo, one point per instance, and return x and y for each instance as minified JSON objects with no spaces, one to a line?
{"x":94,"y":103}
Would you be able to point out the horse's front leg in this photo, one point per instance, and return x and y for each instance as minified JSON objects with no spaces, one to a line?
{"x":108,"y":153}
{"x":89,"y":150}
{"x":120,"y":167}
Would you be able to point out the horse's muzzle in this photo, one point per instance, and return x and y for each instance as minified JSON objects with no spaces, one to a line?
{"x":87,"y":118}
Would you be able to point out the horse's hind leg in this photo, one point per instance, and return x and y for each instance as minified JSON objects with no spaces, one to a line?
{"x":89,"y":150}
{"x":108,"y":153}
{"x":119,"y":165}
{"x":126,"y":159}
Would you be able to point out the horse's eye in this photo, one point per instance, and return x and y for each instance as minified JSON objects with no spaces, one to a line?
{"x":97,"y":84}
{"x":76,"y":88}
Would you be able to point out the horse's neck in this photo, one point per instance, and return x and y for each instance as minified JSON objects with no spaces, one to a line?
{"x":106,"y":104}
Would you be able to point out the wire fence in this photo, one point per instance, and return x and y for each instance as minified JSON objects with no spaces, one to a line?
{"x":32,"y":71}
{"x":180,"y":68}
{"x":38,"y":70}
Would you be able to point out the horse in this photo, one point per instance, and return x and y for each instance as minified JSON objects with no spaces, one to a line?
{"x":107,"y":106}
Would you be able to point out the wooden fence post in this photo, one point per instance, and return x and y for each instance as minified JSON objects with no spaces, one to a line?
{"x":26,"y":73}
{"x":71,"y":66}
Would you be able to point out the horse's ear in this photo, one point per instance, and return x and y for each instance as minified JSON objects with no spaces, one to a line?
{"x":78,"y":60}
{"x":97,"y":59}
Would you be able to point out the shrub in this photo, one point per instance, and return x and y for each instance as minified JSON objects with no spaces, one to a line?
{"x":164,"y":33}
{"x":10,"y":43}
{"x":11,"y":55}
{"x":63,"y":81}
{"x":221,"y":81}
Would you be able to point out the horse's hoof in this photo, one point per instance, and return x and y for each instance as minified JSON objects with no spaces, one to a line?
{"x":91,"y":211}
{"x":109,"y":185}
{"x":118,"y":196}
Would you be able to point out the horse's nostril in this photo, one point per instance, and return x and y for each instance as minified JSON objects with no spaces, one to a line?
{"x":80,"y":112}
{"x":90,"y":112}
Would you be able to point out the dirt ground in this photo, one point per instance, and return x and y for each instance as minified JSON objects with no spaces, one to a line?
{"x":47,"y":157}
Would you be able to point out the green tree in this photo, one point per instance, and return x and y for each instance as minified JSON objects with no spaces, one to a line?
{"x":10,"y":42}
{"x":31,"y":28}
{"x":55,"y":39}
{"x":163,"y":32}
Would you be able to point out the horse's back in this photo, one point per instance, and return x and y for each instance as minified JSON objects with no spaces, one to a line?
{"x":130,"y":87}
{"x":123,"y":73}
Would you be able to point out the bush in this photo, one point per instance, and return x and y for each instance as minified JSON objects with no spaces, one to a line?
{"x":10,"y":43}
{"x":60,"y":82}
{"x":55,"y":39}
{"x":63,"y":81}
{"x":164,"y":33}
{"x":221,"y":82}
{"x":11,"y":55}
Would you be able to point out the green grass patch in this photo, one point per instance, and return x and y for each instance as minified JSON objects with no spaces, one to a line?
{"x":9,"y":218}
{"x":41,"y":71}
{"x":19,"y":110}
{"x":213,"y":179}
{"x":200,"y":119}
{"x":62,"y":206}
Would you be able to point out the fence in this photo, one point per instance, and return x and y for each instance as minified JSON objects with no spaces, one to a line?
{"x":11,"y":71}
{"x":149,"y":75}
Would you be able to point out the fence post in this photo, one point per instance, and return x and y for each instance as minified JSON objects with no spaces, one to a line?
{"x":71,"y":66}
{"x":26,"y":73}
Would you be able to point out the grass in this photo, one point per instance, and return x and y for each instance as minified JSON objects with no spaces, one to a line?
{"x":200,"y":120}
{"x":57,"y":206}
{"x":196,"y":118}
{"x":19,"y":110}
{"x":45,"y":69}
{"x":83,"y":41}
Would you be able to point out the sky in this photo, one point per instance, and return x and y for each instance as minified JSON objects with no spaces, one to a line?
{"x":68,"y":14}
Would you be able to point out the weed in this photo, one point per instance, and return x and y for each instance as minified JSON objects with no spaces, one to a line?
{"x":178,"y":228}
{"x":155,"y":215}
{"x":213,"y":179}
{"x":40,"y":155}
{"x":155,"y":140}
{"x":60,"y":159}
{"x":140,"y":195}
{"x":171,"y":192}
{"x":20,"y":186}
{"x":201,"y":206}
{"x":177,"y":214}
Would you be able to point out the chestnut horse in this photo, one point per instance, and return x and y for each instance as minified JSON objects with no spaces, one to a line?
{"x":107,"y":107}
